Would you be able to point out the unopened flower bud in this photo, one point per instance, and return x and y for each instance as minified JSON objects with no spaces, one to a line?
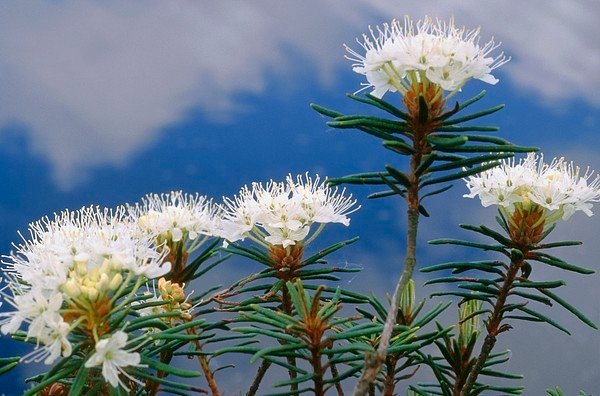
{"x":115,"y":282}
{"x":407,"y":299}
{"x":103,"y":282}
{"x":92,"y":293}
{"x":171,"y":291}
{"x":468,"y":325}
{"x":71,"y":288}
{"x":186,"y":315}
{"x":81,"y":268}
{"x":94,"y":275}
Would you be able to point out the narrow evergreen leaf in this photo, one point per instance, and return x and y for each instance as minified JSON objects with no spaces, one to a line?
{"x":570,"y":308}
{"x":171,"y":370}
{"x":6,"y":367}
{"x":383,"y":194}
{"x":467,"y":162}
{"x":490,"y":149}
{"x":448,"y":157}
{"x":325,"y":252}
{"x":388,"y":107}
{"x":474,"y":99}
{"x":423,"y":109}
{"x":486,"y":266}
{"x":276,"y":350}
{"x":325,"y":111}
{"x":469,"y":128}
{"x":466,"y":296}
{"x":435,"y":192}
{"x":368,"y":122}
{"x":481,"y":138}
{"x":399,"y":147}
{"x":530,"y":296}
{"x":473,"y":116}
{"x":556,"y":262}
{"x":558,"y":244}
{"x":444,"y":142}
{"x":344,"y":335}
{"x":137,"y":373}
{"x":76,"y":387}
{"x":460,"y":175}
{"x":297,"y":380}
{"x":488,"y":232}
{"x":496,"y":248}
{"x":426,"y":161}
{"x":540,"y":285}
{"x":544,"y":318}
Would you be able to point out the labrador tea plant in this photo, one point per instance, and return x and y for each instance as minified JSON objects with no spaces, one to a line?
{"x":111,"y":299}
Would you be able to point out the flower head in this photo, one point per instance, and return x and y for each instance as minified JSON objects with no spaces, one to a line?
{"x":397,"y":55}
{"x":176,"y":217}
{"x":110,"y":353}
{"x":282,"y":213}
{"x":65,"y":275}
{"x":549,"y":191}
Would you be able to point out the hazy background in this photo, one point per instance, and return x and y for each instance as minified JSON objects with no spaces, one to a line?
{"x":102,"y":102}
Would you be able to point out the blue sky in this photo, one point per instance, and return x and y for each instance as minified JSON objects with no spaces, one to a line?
{"x":103,"y":102}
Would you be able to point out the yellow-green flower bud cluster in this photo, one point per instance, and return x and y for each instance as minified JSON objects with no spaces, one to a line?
{"x":173,"y":294}
{"x":93,"y":283}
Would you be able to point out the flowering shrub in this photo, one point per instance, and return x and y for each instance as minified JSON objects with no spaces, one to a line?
{"x":108,"y":298}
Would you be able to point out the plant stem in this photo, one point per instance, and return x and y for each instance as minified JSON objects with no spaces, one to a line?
{"x":286,"y":305}
{"x":315,"y":361}
{"x":389,"y":382}
{"x":335,"y":373}
{"x":374,"y":361}
{"x":260,"y":374}
{"x":210,"y":378}
{"x":493,"y":326}
{"x":421,"y":128}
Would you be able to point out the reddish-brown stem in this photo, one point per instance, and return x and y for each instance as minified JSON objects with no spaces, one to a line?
{"x":373,"y":362}
{"x":389,"y":385}
{"x":493,"y":325}
{"x":260,"y":374}
{"x":335,"y":373}
{"x":318,"y":371}
{"x":286,"y":306}
{"x":208,"y":374}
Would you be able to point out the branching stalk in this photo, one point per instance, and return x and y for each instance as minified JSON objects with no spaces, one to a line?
{"x":286,"y":305}
{"x":335,"y":374}
{"x":210,"y":378}
{"x":373,"y":362}
{"x":260,"y":374}
{"x":494,"y":325}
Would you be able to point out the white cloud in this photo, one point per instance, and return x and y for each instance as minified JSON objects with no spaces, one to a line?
{"x":94,"y":82}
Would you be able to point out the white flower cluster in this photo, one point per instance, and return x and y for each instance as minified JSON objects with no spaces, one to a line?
{"x":283,"y":213}
{"x":558,"y":187}
{"x":434,"y":51}
{"x":176,"y":217}
{"x":64,"y":281}
{"x":64,"y":275}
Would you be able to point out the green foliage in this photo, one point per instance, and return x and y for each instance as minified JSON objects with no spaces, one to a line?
{"x":558,"y":392}
{"x":157,"y":337}
{"x":526,"y":291}
{"x":436,"y":149}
